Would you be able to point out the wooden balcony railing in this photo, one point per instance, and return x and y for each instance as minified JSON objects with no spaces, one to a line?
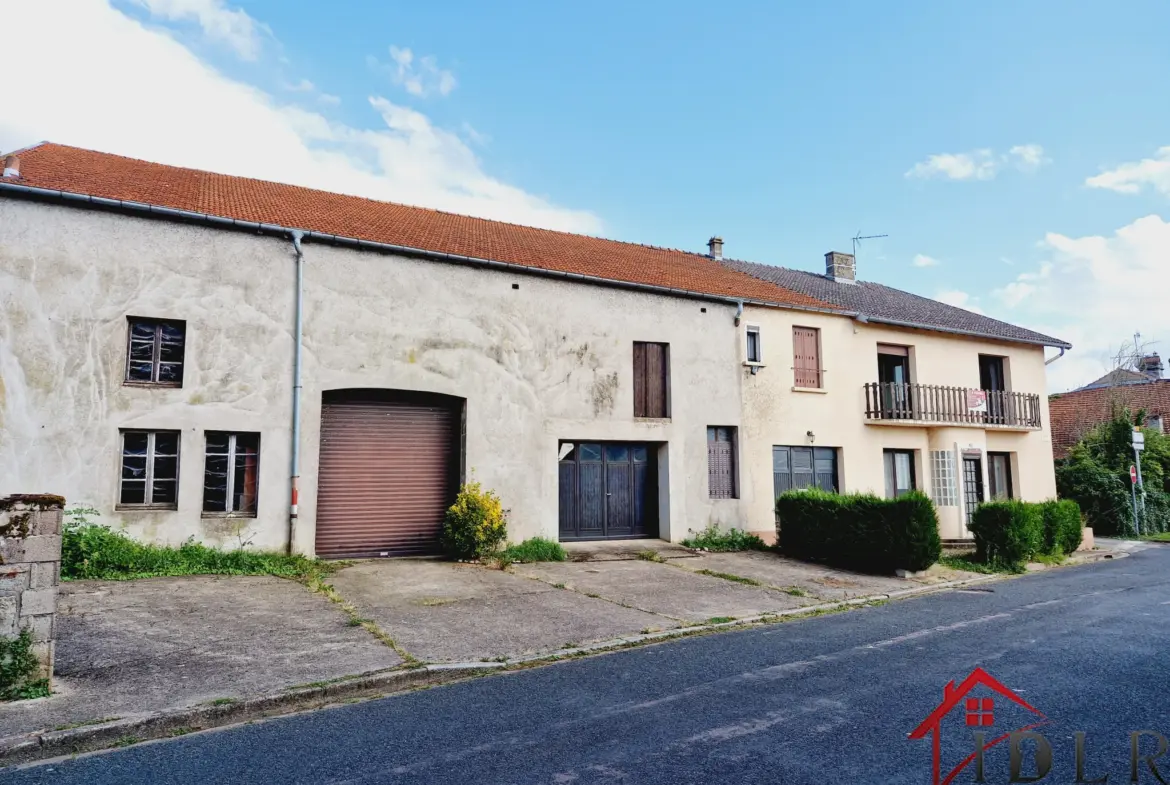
{"x":932,"y":403}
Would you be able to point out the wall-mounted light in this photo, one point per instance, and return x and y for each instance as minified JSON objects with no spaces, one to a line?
{"x":812,"y":437}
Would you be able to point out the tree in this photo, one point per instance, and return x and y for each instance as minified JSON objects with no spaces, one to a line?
{"x":1096,"y":475}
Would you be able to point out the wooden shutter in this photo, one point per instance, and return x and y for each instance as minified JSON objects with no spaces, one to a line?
{"x":721,"y":463}
{"x":806,"y":353}
{"x":651,"y":380}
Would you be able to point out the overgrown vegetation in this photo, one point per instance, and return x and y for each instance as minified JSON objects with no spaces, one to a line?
{"x":729,"y":577}
{"x":969,"y":564}
{"x":19,"y":669}
{"x":859,"y":532}
{"x":651,"y":555}
{"x":1009,"y":534}
{"x":535,"y":549}
{"x":1095,"y":475}
{"x":90,"y":550}
{"x":476,"y":525}
{"x":716,"y":540}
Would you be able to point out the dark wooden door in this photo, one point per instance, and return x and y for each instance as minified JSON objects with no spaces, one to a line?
{"x":388,"y":471}
{"x":607,"y":490}
{"x":972,"y":484}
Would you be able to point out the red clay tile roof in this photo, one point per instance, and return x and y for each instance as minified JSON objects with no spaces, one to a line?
{"x":1073,"y":413}
{"x":63,"y":168}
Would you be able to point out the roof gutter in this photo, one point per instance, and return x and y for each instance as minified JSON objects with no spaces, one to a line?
{"x":219,"y":222}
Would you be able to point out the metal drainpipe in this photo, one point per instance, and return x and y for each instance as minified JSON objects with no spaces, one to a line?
{"x":296,"y":236}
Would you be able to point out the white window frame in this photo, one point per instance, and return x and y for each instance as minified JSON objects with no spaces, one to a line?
{"x":229,"y":499}
{"x":148,"y":490}
{"x":156,"y":343}
{"x":753,"y":329}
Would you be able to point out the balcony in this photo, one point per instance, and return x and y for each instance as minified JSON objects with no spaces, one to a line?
{"x":891,"y":403}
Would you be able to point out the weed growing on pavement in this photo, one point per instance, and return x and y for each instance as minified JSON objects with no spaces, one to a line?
{"x":720,"y":620}
{"x":127,"y":741}
{"x":969,"y":564}
{"x":649,"y":555}
{"x":18,"y":669}
{"x":729,"y":577}
{"x":535,"y":549}
{"x":223,"y":701}
{"x":717,"y":541}
{"x":795,"y":591}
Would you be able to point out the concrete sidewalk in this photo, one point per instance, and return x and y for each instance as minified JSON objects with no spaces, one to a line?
{"x":128,"y":651}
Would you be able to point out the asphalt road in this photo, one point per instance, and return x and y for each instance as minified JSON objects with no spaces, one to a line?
{"x":824,"y":700}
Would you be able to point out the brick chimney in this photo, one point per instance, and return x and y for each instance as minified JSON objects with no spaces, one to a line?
{"x":841,"y":267}
{"x":715,"y":247}
{"x":1151,"y":365}
{"x":12,"y":167}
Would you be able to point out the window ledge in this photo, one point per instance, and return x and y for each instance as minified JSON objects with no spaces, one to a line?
{"x":652,"y":420}
{"x":752,"y":364}
{"x":817,"y":390}
{"x":167,"y":385}
{"x":146,"y":507}
{"x":206,"y":514}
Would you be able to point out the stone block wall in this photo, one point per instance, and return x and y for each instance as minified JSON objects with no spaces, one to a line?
{"x":30,"y":569}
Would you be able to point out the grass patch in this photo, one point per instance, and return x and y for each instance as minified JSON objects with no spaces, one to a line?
{"x":795,"y":591}
{"x":1159,"y":537}
{"x":86,"y":724}
{"x":127,"y":741}
{"x":99,"y":553}
{"x":222,"y":702}
{"x":717,"y":541}
{"x":434,"y":602}
{"x":720,"y":620}
{"x":969,"y":564}
{"x":729,"y":577}
{"x":1051,"y":559}
{"x":177,"y":732}
{"x":536,"y":549}
{"x":649,"y":555}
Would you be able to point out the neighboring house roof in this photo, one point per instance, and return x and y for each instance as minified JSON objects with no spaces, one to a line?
{"x":1073,"y":413}
{"x":73,"y":170}
{"x":1118,"y":376}
{"x":880,"y":303}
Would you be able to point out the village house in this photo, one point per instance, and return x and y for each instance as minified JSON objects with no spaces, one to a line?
{"x":235,"y":361}
{"x":1143,"y":389}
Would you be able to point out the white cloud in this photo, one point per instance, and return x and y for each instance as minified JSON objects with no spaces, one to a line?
{"x":329,"y":99}
{"x":227,"y":25}
{"x":181,"y":111}
{"x":1028,"y":157}
{"x":975,"y":165}
{"x":1130,"y":178}
{"x":982,"y":164}
{"x":959,"y":299}
{"x":922,"y":260}
{"x":303,"y":86}
{"x":1094,"y":292}
{"x":418,"y":76}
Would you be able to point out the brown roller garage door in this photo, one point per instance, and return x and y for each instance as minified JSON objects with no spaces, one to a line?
{"x":389,"y":470}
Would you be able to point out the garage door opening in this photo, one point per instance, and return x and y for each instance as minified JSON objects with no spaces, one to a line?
{"x":608,"y":490}
{"x":390,"y":468}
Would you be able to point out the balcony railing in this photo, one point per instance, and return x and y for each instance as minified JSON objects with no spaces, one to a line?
{"x":932,"y":403}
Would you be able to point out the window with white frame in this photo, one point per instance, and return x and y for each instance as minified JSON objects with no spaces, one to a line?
{"x":150,"y":469}
{"x":755,"y":353}
{"x":942,"y":479}
{"x":231,"y":473}
{"x":155,"y":353}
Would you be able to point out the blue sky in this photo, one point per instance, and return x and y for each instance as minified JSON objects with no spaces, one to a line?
{"x":1015,"y":145}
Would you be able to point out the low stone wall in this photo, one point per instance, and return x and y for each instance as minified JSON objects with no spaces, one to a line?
{"x":30,"y":569}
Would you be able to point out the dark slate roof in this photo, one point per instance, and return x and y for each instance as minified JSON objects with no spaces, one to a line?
{"x":883,"y":304}
{"x":1117,"y":377}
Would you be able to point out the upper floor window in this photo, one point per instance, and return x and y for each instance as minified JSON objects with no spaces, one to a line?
{"x":651,"y":379}
{"x":155,"y":354}
{"x":150,"y":469}
{"x":754,"y":353}
{"x":231,"y":475}
{"x":806,"y":355}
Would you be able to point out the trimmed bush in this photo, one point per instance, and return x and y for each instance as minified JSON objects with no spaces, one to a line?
{"x":1062,"y":526}
{"x":859,"y":532}
{"x":476,"y":525}
{"x":1007,"y":533}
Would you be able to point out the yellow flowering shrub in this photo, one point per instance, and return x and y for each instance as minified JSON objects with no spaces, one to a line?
{"x":476,"y":525}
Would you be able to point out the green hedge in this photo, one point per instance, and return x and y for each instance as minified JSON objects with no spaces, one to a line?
{"x":860,"y":532}
{"x":1063,"y":526}
{"x":1007,"y":533}
{"x":1011,"y":533}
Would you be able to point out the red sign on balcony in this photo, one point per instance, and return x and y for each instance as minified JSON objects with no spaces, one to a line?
{"x":976,"y":400}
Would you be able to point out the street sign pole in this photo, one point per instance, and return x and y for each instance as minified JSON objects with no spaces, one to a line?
{"x":1133,"y":493}
{"x":1139,"y":444}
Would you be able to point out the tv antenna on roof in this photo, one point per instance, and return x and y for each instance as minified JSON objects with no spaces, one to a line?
{"x":859,"y":237}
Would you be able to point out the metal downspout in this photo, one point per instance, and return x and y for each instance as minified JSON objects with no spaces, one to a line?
{"x":1057,"y":357}
{"x":296,"y":236}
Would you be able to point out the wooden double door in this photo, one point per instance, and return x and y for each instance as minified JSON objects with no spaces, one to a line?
{"x":608,"y":490}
